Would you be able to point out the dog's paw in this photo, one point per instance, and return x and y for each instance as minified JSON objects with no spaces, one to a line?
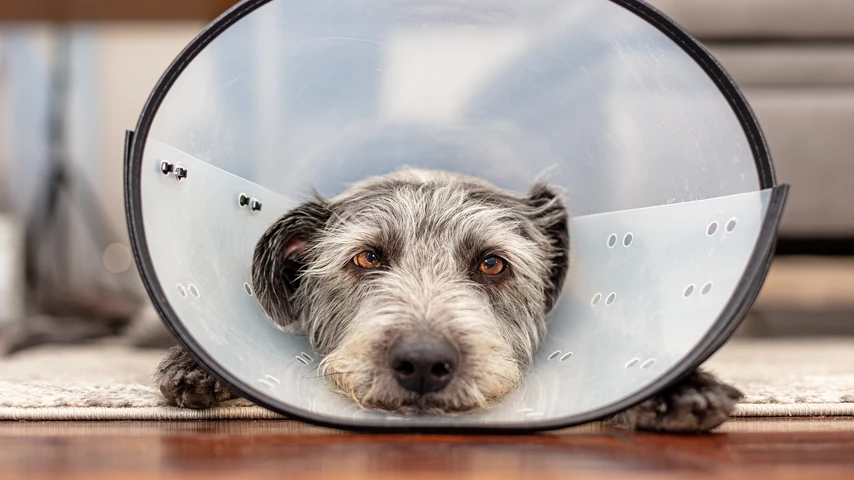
{"x":698,"y":403}
{"x":185,"y":384}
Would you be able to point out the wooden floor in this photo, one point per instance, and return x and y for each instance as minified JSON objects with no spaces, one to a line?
{"x":790,"y":449}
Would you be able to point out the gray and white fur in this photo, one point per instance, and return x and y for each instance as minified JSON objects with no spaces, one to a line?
{"x":427,"y":291}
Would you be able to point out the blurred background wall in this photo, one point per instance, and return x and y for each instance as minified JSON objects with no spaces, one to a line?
{"x":113,"y":67}
{"x":74,"y":76}
{"x":794,"y":61}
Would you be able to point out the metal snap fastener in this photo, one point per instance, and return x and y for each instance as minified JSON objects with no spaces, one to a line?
{"x":166,"y":168}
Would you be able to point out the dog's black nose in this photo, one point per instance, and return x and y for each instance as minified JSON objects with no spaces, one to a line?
{"x":423,"y":363}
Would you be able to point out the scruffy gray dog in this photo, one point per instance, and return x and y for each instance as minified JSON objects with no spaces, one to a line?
{"x":427,"y":292}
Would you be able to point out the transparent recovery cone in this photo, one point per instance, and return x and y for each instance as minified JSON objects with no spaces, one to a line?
{"x":673,"y":201}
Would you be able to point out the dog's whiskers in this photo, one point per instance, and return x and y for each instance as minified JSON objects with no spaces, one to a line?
{"x":329,"y":374}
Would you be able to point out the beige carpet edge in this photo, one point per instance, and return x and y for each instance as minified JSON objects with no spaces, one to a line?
{"x":143,"y":413}
{"x":794,"y":410}
{"x":258,"y":413}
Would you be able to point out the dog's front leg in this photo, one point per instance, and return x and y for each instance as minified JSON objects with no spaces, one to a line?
{"x":697,"y":403}
{"x":186,"y":384}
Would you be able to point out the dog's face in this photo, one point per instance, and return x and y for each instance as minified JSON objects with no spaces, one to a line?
{"x":425,"y":291}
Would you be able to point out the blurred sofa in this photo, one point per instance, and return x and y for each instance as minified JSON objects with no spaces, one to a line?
{"x":794,"y":61}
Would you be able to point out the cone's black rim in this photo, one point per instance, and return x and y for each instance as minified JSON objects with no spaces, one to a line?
{"x":742,"y":298}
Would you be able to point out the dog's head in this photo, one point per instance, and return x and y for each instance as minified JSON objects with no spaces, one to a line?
{"x":424,"y":290}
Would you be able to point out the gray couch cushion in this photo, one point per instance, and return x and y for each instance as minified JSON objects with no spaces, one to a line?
{"x":757,"y":19}
{"x":812,"y":143}
{"x":781,"y":65}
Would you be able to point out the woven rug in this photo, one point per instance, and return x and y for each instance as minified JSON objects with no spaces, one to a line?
{"x":109,"y":382}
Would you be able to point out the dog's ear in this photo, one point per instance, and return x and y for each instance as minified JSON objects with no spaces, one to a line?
{"x":549,"y":214}
{"x":280,"y":259}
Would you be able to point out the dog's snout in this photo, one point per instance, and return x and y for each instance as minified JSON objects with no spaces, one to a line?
{"x":423,"y":363}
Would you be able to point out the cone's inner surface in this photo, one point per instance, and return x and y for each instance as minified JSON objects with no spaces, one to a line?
{"x":300,"y":95}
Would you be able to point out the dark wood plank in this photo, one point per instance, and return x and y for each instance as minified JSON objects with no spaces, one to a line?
{"x":111,"y":10}
{"x":284,"y":449}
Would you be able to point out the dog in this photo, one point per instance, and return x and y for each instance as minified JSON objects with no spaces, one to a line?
{"x":428,"y":292}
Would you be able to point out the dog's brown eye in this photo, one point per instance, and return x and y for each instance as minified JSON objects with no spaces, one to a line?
{"x":492,"y":266}
{"x":367,"y":260}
